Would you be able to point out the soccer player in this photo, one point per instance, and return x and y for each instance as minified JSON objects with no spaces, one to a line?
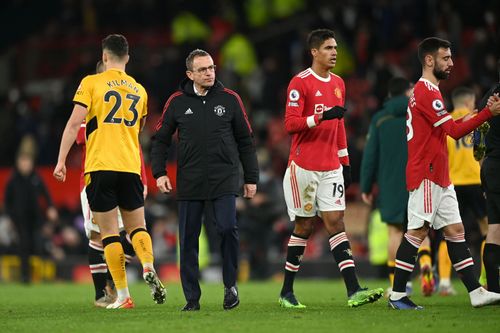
{"x":432,"y":201}
{"x":465,"y":176}
{"x":114,"y":107}
{"x":318,"y":167}
{"x":491,"y":183}
{"x":384,"y":160}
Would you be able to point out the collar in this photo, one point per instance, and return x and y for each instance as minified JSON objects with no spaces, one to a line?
{"x":197,"y":92}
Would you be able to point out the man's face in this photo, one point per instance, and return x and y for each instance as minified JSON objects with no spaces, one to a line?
{"x":203,"y":71}
{"x":326,"y":55}
{"x":442,"y":64}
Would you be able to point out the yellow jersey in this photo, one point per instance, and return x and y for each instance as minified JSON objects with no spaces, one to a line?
{"x":116,"y":103}
{"x":464,"y":169}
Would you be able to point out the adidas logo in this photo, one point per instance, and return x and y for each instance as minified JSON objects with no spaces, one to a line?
{"x":318,"y":93}
{"x":188,"y":111}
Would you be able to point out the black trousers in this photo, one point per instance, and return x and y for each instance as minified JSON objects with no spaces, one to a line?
{"x":223,"y":212}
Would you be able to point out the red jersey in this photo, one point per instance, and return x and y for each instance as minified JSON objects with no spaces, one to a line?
{"x":80,"y":140}
{"x":427,"y":150}
{"x":315,"y":146}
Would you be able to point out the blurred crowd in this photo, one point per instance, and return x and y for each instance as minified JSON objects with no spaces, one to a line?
{"x":258,"y":45}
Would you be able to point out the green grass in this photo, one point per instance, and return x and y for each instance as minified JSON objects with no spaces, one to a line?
{"x":69,"y":308}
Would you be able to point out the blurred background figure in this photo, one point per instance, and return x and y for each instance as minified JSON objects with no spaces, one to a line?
{"x":26,"y":202}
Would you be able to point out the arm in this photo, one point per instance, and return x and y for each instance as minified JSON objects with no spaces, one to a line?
{"x":457,"y":129}
{"x":243,"y":135}
{"x":160,"y":144}
{"x":51,"y":210}
{"x":294,"y":119}
{"x":369,"y":161}
{"x":68,"y":138}
{"x":144,"y":176}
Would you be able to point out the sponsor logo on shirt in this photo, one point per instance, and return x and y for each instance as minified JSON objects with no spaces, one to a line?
{"x":437,"y":105}
{"x":293,"y":104}
{"x":188,"y":111}
{"x":318,"y":108}
{"x":294,"y":95}
{"x":318,"y":93}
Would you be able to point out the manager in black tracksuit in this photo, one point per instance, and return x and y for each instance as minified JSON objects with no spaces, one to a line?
{"x":213,"y":134}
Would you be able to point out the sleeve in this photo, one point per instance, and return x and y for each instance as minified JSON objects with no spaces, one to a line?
{"x":243,"y":136}
{"x":9,"y":198}
{"x":43,"y":191}
{"x":343,"y":154}
{"x":80,"y":136}
{"x":458,"y":129}
{"x":369,"y":163}
{"x":83,"y":93}
{"x":433,"y":109}
{"x":144,"y":176}
{"x":162,"y":139}
{"x":294,"y":119}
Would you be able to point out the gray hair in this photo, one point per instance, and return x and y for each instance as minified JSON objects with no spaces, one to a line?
{"x":194,"y":54}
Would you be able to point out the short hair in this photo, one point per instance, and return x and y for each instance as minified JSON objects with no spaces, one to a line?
{"x":398,"y":86}
{"x":116,"y":44}
{"x":317,"y":37}
{"x":431,"y":45}
{"x":193,"y":54}
{"x":459,"y":94}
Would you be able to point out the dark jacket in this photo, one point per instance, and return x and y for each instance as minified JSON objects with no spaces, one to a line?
{"x":493,"y":136}
{"x":213,"y":134}
{"x":384,"y":160}
{"x":22,"y":198}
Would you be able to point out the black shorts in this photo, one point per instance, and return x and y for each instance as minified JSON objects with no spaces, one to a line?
{"x":491,"y":185}
{"x":108,"y":189}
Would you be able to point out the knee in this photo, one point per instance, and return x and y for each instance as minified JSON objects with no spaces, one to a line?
{"x":303,"y":228}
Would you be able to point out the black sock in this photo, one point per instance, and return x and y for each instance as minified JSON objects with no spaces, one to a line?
{"x":98,"y":269}
{"x":406,"y":257}
{"x":462,"y":261}
{"x":491,"y":260}
{"x":296,"y":248}
{"x":341,"y":250}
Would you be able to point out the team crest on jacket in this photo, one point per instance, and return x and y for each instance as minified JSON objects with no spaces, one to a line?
{"x":219,"y":110}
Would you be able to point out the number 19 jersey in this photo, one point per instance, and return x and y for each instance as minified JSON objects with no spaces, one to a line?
{"x":116,"y":103}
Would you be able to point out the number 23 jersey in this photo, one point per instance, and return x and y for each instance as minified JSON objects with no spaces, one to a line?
{"x":116,"y":103}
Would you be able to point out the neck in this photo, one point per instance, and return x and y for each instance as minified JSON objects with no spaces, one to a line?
{"x":430,"y":77}
{"x":115,"y":65}
{"x":320,"y":70}
{"x":201,"y":90}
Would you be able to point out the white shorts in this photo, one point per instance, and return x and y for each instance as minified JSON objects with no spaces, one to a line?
{"x":89,"y":223}
{"x":434,"y":204}
{"x":307,"y":192}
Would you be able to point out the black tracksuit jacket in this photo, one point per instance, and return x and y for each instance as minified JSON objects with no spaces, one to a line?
{"x":214,"y":135}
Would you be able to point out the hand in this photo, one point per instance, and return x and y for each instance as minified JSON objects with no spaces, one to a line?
{"x":346,"y":172}
{"x":494,"y":105}
{"x":367,"y":198}
{"x":249,"y":190}
{"x":52,"y":214}
{"x":60,"y":172}
{"x":492,"y":99}
{"x":337,"y":112}
{"x":164,"y":184}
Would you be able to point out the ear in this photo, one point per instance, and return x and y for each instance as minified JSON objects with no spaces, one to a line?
{"x":104,"y":57}
{"x":127,"y":58}
{"x":429,"y":60}
{"x":314,"y":52}
{"x":190,"y":75}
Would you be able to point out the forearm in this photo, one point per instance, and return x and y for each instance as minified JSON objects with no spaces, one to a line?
{"x":458,"y":129}
{"x":69,"y":136}
{"x":294,"y":124}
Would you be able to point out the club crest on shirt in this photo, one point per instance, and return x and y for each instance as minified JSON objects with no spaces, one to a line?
{"x":294,"y":95}
{"x":308,"y":207}
{"x":219,"y":110}
{"x":337,"y":92}
{"x":437,"y":105}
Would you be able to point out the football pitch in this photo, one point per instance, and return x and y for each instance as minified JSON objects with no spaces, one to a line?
{"x":69,"y":308}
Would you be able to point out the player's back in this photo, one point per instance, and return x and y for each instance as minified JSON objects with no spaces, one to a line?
{"x":116,"y":104}
{"x":427,"y":151}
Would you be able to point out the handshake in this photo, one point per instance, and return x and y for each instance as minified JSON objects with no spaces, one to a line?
{"x":337,"y":112}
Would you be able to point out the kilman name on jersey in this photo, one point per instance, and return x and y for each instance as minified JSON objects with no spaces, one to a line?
{"x":219,"y":110}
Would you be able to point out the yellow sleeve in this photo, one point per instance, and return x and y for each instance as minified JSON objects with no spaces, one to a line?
{"x":83,"y":94}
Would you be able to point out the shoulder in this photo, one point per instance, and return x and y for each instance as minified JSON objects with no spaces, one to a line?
{"x":336,"y":78}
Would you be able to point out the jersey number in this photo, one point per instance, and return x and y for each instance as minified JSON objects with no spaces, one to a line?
{"x":338,"y":188}
{"x":409,"y":132}
{"x":111,"y":119}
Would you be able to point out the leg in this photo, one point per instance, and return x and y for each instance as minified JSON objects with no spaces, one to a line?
{"x":425,"y":262}
{"x":491,"y":257}
{"x":224,"y":211}
{"x":395,"y":236}
{"x":99,"y":270}
{"x":303,"y":229}
{"x":190,"y":213}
